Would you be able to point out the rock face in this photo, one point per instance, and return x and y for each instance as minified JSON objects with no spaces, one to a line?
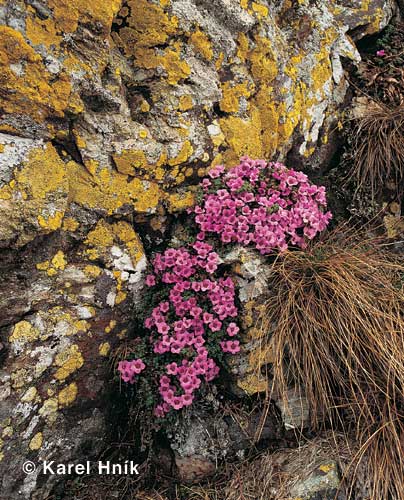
{"x":203,"y":440}
{"x":110,"y":112}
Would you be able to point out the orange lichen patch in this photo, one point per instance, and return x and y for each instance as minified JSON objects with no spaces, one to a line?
{"x":236,"y":130}
{"x":111,"y":190}
{"x":183,"y":155}
{"x":253,"y":383}
{"x":101,"y":236}
{"x":175,"y":67}
{"x":219,"y":61}
{"x":232,"y":94}
{"x":260,"y":10}
{"x":322,"y":72}
{"x":44,"y":173}
{"x":42,"y":31}
{"x":202,"y":44}
{"x":264,"y":64}
{"x":67,"y":15}
{"x":105,"y":235}
{"x":243,"y":47}
{"x":147,"y":26}
{"x":51,"y":222}
{"x":38,"y":193}
{"x":185,"y":103}
{"x":178,"y":202}
{"x":59,"y":261}
{"x":92,"y":271}
{"x":269,"y":117}
{"x":130,"y":161}
{"x":104,"y":349}
{"x":70,"y":224}
{"x":36,"y":442}
{"x":125,"y":234}
{"x":28,"y":87}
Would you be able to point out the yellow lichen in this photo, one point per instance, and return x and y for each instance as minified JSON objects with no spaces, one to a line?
{"x":126,"y":234}
{"x":7,"y":432}
{"x":185,"y":103}
{"x":177,"y":202}
{"x":68,"y":15}
{"x":42,"y":31}
{"x":243,"y":136}
{"x":49,"y":409}
{"x":111,"y":190}
{"x":202,"y":44}
{"x":231,"y":96}
{"x":92,"y":271}
{"x":101,"y":236}
{"x":59,"y":260}
{"x":327,"y":468}
{"x":253,"y":383}
{"x":36,"y":442}
{"x":30,"y":89}
{"x":175,"y":67}
{"x":23,"y":331}
{"x":43,"y":266}
{"x":263,"y":59}
{"x":51,"y":222}
{"x":130,"y":161}
{"x":68,"y":395}
{"x":148,"y":25}
{"x":104,"y":349}
{"x":70,"y":224}
{"x":44,"y":173}
{"x":19,"y":378}
{"x":69,"y":361}
{"x":183,"y":155}
{"x":243,"y":47}
{"x":30,"y":395}
{"x":260,"y":10}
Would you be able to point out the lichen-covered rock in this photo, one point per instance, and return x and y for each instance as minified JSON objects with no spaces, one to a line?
{"x":76,"y":305}
{"x":319,"y":482}
{"x":203,"y":440}
{"x":248,"y":367}
{"x":110,"y":113}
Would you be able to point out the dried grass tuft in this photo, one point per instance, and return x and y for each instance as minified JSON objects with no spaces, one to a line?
{"x":335,"y":322}
{"x":378,"y":148}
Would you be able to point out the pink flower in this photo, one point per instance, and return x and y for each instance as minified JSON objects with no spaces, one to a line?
{"x":232,"y":329}
{"x":215,"y":325}
{"x":150,"y":280}
{"x":381,"y":53}
{"x":216,"y":171}
{"x":232,"y":346}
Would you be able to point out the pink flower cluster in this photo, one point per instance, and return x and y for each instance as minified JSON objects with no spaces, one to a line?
{"x":261,"y":203}
{"x":197,"y":306}
{"x":129,"y":369}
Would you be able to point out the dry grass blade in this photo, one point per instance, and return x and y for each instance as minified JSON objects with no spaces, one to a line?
{"x":335,"y":317}
{"x":378,"y":148}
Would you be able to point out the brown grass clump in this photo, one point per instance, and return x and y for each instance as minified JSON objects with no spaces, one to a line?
{"x":378,"y":148}
{"x":335,"y":322}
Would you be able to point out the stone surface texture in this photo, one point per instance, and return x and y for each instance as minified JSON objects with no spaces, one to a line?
{"x":111,"y":111}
